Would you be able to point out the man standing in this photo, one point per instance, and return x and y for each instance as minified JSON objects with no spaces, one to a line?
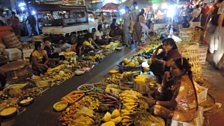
{"x":2,"y":19}
{"x":134,"y":14}
{"x":126,"y":26}
{"x":15,"y":23}
{"x":32,"y":21}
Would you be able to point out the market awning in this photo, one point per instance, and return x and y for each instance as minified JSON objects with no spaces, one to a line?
{"x":110,"y":7}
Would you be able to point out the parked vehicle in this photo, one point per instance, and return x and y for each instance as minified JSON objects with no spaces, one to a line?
{"x":64,"y":20}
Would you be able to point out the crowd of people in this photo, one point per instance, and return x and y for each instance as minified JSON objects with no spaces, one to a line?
{"x":14,"y":21}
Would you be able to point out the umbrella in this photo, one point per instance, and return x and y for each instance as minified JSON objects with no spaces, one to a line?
{"x":110,"y":7}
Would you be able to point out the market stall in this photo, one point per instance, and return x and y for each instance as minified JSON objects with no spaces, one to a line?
{"x":122,"y":97}
{"x":42,"y":106}
{"x":24,"y":87}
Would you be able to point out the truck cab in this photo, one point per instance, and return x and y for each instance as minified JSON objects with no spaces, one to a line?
{"x":64,"y":20}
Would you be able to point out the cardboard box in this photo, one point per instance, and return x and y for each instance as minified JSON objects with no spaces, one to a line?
{"x":13,"y":54}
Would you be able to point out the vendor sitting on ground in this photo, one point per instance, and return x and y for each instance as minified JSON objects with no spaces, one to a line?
{"x":50,"y":51}
{"x":114,"y":29}
{"x":100,"y":38}
{"x":39,"y":59}
{"x":88,"y":45}
{"x":160,"y":62}
{"x":183,"y":104}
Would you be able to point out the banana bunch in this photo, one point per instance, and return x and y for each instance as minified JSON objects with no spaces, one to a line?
{"x":99,"y":56}
{"x":112,"y":45}
{"x":114,"y":78}
{"x":55,"y":69}
{"x":129,"y":99}
{"x":58,"y":75}
{"x":148,"y":48}
{"x":86,"y":43}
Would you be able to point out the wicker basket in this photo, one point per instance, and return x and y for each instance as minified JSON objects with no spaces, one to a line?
{"x":190,"y":50}
{"x":202,"y":54}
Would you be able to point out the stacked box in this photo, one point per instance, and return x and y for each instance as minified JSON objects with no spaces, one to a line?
{"x":13,"y":54}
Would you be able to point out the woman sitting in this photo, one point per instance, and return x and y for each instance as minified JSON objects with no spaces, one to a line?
{"x":183,"y":105}
{"x":39,"y":59}
{"x":160,"y":62}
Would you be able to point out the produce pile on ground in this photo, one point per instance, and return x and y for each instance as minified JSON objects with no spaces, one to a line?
{"x":23,"y":94}
{"x":114,"y":101}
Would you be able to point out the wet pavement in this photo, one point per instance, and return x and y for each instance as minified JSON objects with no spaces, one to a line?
{"x":215,"y":78}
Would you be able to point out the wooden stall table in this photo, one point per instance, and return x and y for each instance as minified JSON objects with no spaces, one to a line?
{"x":16,"y":69}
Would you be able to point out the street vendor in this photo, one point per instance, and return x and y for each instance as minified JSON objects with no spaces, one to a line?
{"x":99,"y":36}
{"x":88,"y":45}
{"x":161,"y":61}
{"x":183,"y":104}
{"x":39,"y":59}
{"x":114,"y":29}
{"x":51,"y":53}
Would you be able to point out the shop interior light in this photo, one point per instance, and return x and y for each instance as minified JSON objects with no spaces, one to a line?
{"x":21,"y":4}
{"x":155,"y":6}
{"x":171,"y":11}
{"x":33,"y":12}
{"x":22,"y":8}
{"x":122,"y":11}
{"x":136,"y":7}
{"x":164,"y":6}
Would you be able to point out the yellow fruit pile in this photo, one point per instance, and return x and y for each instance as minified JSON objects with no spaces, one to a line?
{"x":149,"y":47}
{"x":129,"y":99}
{"x":131,"y":63}
{"x":141,"y":79}
{"x":112,"y":119}
{"x":86,"y":43}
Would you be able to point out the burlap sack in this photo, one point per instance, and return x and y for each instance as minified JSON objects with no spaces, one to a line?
{"x":11,"y":41}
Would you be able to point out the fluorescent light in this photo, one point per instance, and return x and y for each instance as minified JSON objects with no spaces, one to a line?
{"x":155,"y":6}
{"x":33,"y":12}
{"x":122,"y":11}
{"x":21,"y":4}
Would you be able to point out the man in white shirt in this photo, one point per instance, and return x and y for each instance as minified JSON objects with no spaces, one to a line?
{"x":196,"y":14}
{"x":99,"y":36}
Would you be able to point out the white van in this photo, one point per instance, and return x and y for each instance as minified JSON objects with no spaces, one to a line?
{"x":65,"y":20}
